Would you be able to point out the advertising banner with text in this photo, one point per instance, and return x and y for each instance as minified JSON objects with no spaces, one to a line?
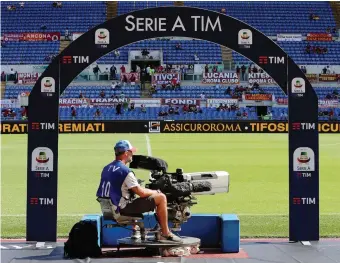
{"x":28,"y":78}
{"x":289,"y":37}
{"x":258,"y":97}
{"x":34,"y":36}
{"x":165,"y":78}
{"x":20,"y":127}
{"x":218,"y":102}
{"x":180,"y":102}
{"x":220,"y":78}
{"x":319,"y":37}
{"x":131,"y":77}
{"x":312,"y":77}
{"x":328,"y":77}
{"x":260,"y":78}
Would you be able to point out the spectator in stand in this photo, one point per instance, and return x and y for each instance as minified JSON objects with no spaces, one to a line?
{"x":102,"y":94}
{"x":133,"y":80}
{"x":238,"y":115}
{"x":313,"y":16}
{"x":206,"y":69}
{"x":113,"y":72}
{"x":23,"y":113}
{"x":238,"y":70}
{"x":223,"y":11}
{"x":122,"y":69}
{"x":97,"y":113}
{"x":73,"y":113}
{"x":178,"y":46}
{"x":142,"y":108}
{"x":171,"y":110}
{"x":245,"y":115}
{"x":122,"y":95}
{"x":67,"y":34}
{"x":284,"y":116}
{"x":185,"y":108}
{"x":81,"y":96}
{"x":96,"y":71}
{"x":132,"y":106}
{"x":243,"y":71}
{"x":202,"y":96}
{"x":176,"y":111}
{"x":3,"y":43}
{"x":119,"y":108}
{"x":3,"y":76}
{"x":125,"y":80}
{"x":196,"y":58}
{"x":117,"y":53}
{"x":12,"y":75}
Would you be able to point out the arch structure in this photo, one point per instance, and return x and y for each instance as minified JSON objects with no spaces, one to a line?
{"x":190,"y":22}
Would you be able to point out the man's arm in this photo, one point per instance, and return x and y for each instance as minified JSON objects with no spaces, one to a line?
{"x":133,"y":185}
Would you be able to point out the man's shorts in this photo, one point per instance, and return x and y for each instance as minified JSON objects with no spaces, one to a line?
{"x":139,"y":206}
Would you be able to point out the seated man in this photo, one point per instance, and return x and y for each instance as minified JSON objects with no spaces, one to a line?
{"x":120,"y":184}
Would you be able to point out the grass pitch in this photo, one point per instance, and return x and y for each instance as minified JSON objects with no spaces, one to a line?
{"x":257,"y":163}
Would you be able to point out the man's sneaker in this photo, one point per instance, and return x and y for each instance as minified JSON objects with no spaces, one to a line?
{"x":136,"y":234}
{"x":170,"y":238}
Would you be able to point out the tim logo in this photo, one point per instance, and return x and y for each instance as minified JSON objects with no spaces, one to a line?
{"x":75,"y":59}
{"x":42,"y":175}
{"x":154,"y":126}
{"x":102,"y":36}
{"x":298,"y":86}
{"x":303,"y":160}
{"x":245,"y":38}
{"x":297,"y":126}
{"x":42,"y":126}
{"x":263,"y":60}
{"x":48,"y":85}
{"x":304,"y":201}
{"x":304,"y":175}
{"x":41,"y":201}
{"x":42,"y":160}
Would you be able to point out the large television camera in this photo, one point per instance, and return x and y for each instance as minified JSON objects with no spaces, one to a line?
{"x":180,"y":188}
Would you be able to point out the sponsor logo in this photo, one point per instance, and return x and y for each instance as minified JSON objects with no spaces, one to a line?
{"x":154,"y":126}
{"x":297,"y":126}
{"x":303,"y":160}
{"x":304,"y":201}
{"x":75,"y":59}
{"x":180,"y":101}
{"x":48,"y":85}
{"x":42,"y":175}
{"x":304,"y":175}
{"x":102,"y":36}
{"x":263,"y":60}
{"x":245,"y":38}
{"x":42,"y":160}
{"x":298,"y":86}
{"x":41,"y":201}
{"x":42,"y":126}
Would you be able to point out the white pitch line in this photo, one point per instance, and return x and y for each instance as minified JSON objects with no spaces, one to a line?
{"x":148,"y":145}
{"x":239,"y":214}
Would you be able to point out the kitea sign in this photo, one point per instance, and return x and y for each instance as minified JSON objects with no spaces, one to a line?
{"x":260,"y":78}
{"x":220,"y":78}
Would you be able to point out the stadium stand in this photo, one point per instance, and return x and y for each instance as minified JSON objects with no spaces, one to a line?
{"x":36,"y":14}
{"x":279,"y":18}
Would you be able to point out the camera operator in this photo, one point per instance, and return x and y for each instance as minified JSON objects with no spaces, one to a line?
{"x":120,"y":184}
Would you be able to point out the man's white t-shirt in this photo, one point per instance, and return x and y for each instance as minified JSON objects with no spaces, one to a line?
{"x":129,"y":182}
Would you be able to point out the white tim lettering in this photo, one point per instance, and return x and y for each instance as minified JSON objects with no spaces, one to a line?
{"x":127,"y":20}
{"x":178,"y":23}
{"x":195,"y":17}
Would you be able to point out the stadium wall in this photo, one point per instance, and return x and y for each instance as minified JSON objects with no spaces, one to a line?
{"x":21,"y":127}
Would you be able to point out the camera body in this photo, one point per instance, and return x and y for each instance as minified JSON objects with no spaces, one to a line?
{"x":180,"y":188}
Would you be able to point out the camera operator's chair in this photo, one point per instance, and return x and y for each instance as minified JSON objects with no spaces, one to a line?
{"x":109,"y":211}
